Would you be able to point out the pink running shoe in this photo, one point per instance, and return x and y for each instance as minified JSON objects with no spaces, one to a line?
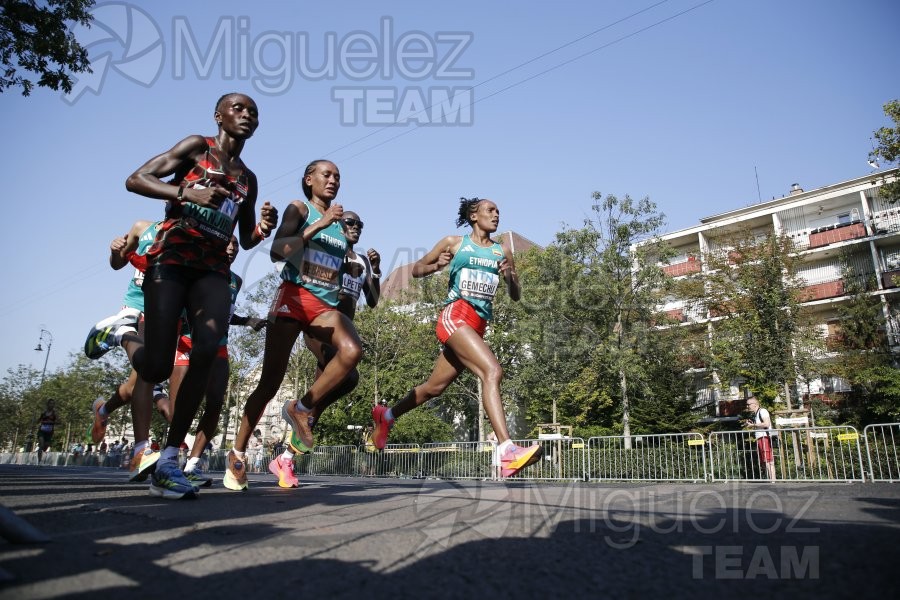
{"x":517,"y":458}
{"x":382,"y":426}
{"x":283,"y":468}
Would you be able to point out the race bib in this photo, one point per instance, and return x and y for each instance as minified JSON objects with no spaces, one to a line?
{"x":481,"y":285}
{"x":321,"y":268}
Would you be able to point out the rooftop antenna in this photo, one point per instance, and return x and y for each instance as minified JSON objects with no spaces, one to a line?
{"x":758,"y":195}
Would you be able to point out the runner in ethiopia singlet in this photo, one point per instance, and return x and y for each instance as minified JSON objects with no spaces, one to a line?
{"x":196,"y":236}
{"x":474,"y":276}
{"x":134,"y":295}
{"x":322,"y":260}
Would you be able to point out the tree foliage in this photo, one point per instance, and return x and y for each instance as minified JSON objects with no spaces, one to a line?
{"x":35,"y":39}
{"x":752,"y":289}
{"x":888,"y":149}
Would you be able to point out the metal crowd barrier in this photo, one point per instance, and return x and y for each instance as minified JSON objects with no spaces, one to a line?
{"x":396,"y":460}
{"x":329,"y":460}
{"x":883,"y":460}
{"x":562,"y":460}
{"x":800,"y":454}
{"x":457,"y":460}
{"x":657,"y":457}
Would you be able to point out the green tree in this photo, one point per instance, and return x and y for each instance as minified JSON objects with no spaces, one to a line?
{"x":20,"y":405}
{"x":888,"y":149}
{"x":593,"y":320}
{"x":751,"y":287}
{"x":36,"y":38}
{"x":864,"y":358}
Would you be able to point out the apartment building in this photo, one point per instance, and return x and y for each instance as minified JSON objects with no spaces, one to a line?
{"x":826,"y":225}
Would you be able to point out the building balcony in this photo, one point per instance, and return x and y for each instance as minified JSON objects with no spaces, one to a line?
{"x":890,"y":279}
{"x":677,"y":314}
{"x":886,"y":221}
{"x":688,"y":267}
{"x":821,"y":291}
{"x":836,"y":233}
{"x":732,"y":408}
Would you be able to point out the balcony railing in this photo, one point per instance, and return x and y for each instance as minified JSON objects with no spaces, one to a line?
{"x":821,"y":291}
{"x":890,"y":279}
{"x":836,"y":233}
{"x":691,"y":265}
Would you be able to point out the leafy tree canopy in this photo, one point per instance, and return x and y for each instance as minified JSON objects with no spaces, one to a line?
{"x":888,"y":149}
{"x":35,"y":39}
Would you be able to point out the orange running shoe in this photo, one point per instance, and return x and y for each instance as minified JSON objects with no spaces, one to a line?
{"x":517,"y":458}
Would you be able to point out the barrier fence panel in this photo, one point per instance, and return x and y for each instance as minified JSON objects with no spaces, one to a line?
{"x":800,"y":454}
{"x":882,"y":458}
{"x":396,"y":460}
{"x":562,"y":459}
{"x":328,"y":460}
{"x":457,"y":460}
{"x":657,"y":457}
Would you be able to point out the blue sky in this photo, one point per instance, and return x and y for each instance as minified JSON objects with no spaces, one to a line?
{"x":684,"y":102}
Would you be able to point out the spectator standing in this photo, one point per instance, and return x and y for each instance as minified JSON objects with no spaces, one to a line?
{"x":761,"y":423}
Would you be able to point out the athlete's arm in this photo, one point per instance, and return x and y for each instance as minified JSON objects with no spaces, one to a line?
{"x":121,"y":248}
{"x":147,"y":180}
{"x":509,"y":274}
{"x":250,"y":233}
{"x":255,"y":323}
{"x":439,"y":256}
{"x":372,"y":282}
{"x":289,"y":242}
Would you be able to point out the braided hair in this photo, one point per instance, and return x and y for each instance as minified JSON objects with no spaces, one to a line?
{"x":307,"y":191}
{"x":467,"y":207}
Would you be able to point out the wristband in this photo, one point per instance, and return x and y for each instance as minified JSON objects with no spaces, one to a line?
{"x":259,"y":231}
{"x":179,"y":198}
{"x":376,"y":275}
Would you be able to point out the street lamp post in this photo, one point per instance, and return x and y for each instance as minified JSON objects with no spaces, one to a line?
{"x":39,"y":349}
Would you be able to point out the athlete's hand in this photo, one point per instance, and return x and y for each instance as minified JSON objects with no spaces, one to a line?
{"x":118,"y":244}
{"x":334,"y":213}
{"x":210,"y":195}
{"x":256,"y":323}
{"x":444,"y":258}
{"x":268,"y":217}
{"x":506,"y":268}
{"x":374,"y":259}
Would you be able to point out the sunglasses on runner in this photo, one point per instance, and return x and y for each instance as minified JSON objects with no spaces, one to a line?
{"x":353,"y":223}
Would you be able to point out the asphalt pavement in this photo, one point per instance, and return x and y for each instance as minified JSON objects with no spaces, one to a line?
{"x":341,"y":537}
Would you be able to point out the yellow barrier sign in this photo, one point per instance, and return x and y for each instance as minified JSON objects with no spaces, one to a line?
{"x":578,"y":446}
{"x":695,"y":442}
{"x":848,"y":437}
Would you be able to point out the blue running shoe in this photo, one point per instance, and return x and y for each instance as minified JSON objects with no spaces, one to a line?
{"x":198,"y":478}
{"x":106,"y":335}
{"x":169,"y":482}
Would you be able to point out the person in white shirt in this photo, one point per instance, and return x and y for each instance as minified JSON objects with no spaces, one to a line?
{"x":761,"y":422}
